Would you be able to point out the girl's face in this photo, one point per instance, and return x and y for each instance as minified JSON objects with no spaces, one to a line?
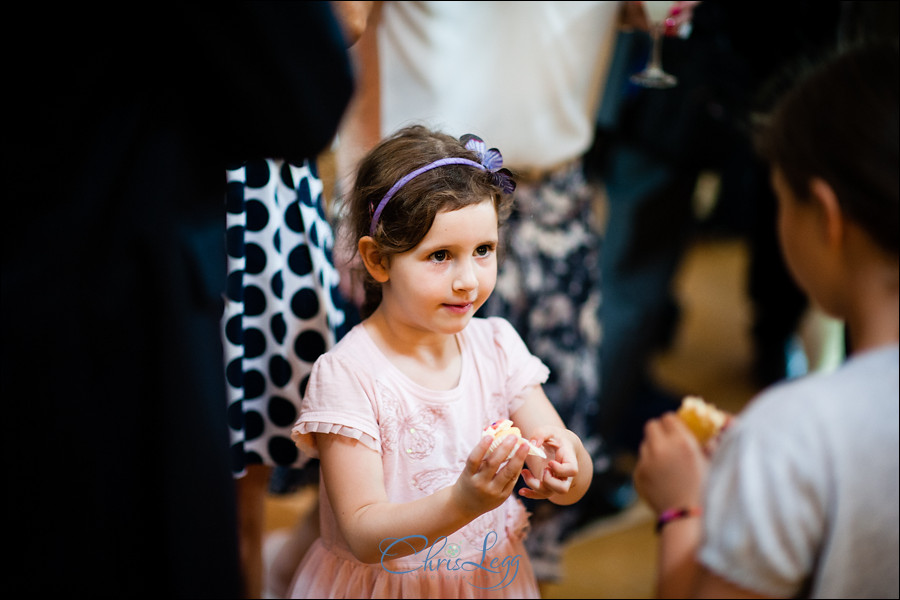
{"x":440,"y":284}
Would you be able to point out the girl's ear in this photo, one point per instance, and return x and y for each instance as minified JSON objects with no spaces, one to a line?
{"x":832,"y":216}
{"x":375,"y":263}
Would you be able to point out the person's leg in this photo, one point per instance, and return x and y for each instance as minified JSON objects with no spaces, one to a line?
{"x":290,"y":553}
{"x":649,"y":221}
{"x":251,"y":496}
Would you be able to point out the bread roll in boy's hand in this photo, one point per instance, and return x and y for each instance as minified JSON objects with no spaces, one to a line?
{"x":703,"y":419}
{"x":501,"y":429}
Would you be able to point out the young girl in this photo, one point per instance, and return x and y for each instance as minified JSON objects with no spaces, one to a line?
{"x":413,"y":501}
{"x":802,"y":492}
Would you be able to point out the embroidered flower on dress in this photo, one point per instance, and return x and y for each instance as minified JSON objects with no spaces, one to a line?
{"x":410,"y":434}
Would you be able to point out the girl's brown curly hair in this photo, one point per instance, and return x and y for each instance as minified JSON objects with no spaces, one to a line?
{"x":409,"y":214}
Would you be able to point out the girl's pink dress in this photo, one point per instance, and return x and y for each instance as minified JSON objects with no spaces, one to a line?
{"x":423,"y":437}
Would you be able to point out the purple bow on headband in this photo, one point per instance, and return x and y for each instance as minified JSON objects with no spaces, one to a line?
{"x":488,"y":160}
{"x":492,"y":161}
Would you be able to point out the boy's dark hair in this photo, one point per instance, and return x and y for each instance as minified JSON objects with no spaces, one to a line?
{"x":840,"y":123}
{"x":410,"y":213}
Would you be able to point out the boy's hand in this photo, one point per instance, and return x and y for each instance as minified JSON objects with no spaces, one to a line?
{"x":672,"y":467}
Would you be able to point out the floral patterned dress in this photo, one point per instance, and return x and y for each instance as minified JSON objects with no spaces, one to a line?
{"x":423,"y":437}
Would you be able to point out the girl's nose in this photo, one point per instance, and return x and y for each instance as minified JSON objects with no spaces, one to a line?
{"x":465,"y":278}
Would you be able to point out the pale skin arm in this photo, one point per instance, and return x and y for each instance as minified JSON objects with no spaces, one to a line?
{"x":352,"y":16}
{"x":359,"y":132}
{"x":671,"y":474}
{"x":354,"y":481}
{"x":360,"y":129}
{"x":565,"y":476}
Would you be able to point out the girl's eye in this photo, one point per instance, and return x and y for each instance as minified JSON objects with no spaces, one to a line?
{"x":483,"y":250}
{"x":439,"y":256}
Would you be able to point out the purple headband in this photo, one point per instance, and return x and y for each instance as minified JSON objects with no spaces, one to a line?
{"x":489,"y":160}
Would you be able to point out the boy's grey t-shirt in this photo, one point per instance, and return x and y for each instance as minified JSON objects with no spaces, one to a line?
{"x":803,"y":491}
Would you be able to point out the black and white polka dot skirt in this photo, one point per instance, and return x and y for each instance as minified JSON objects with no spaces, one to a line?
{"x":282,"y":306}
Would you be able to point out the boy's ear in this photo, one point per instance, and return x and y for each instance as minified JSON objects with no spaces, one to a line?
{"x":832,"y":216}
{"x":375,"y":263}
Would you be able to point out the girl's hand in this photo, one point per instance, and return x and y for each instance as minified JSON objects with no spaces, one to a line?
{"x":488,"y":477}
{"x":551,"y":476}
{"x":672,"y":467}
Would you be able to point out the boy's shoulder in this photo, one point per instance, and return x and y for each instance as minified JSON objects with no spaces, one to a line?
{"x":864,"y":385}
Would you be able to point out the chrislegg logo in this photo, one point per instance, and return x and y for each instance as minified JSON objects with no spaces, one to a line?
{"x":441,"y":559}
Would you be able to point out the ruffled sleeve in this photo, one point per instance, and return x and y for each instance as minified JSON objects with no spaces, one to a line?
{"x":339,"y":400}
{"x":521,"y":369}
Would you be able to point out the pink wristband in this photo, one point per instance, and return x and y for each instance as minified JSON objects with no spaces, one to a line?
{"x":673,"y":514}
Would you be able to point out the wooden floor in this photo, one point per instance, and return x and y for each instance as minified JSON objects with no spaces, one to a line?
{"x":615,"y":557}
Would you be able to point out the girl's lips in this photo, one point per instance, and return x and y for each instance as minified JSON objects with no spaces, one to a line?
{"x":459,"y":308}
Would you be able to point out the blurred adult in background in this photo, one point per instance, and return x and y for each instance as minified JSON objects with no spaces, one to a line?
{"x":283,"y":310}
{"x":121,"y":128}
{"x":651,"y":147}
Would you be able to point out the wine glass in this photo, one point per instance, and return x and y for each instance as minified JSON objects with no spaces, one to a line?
{"x":653,"y":75}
